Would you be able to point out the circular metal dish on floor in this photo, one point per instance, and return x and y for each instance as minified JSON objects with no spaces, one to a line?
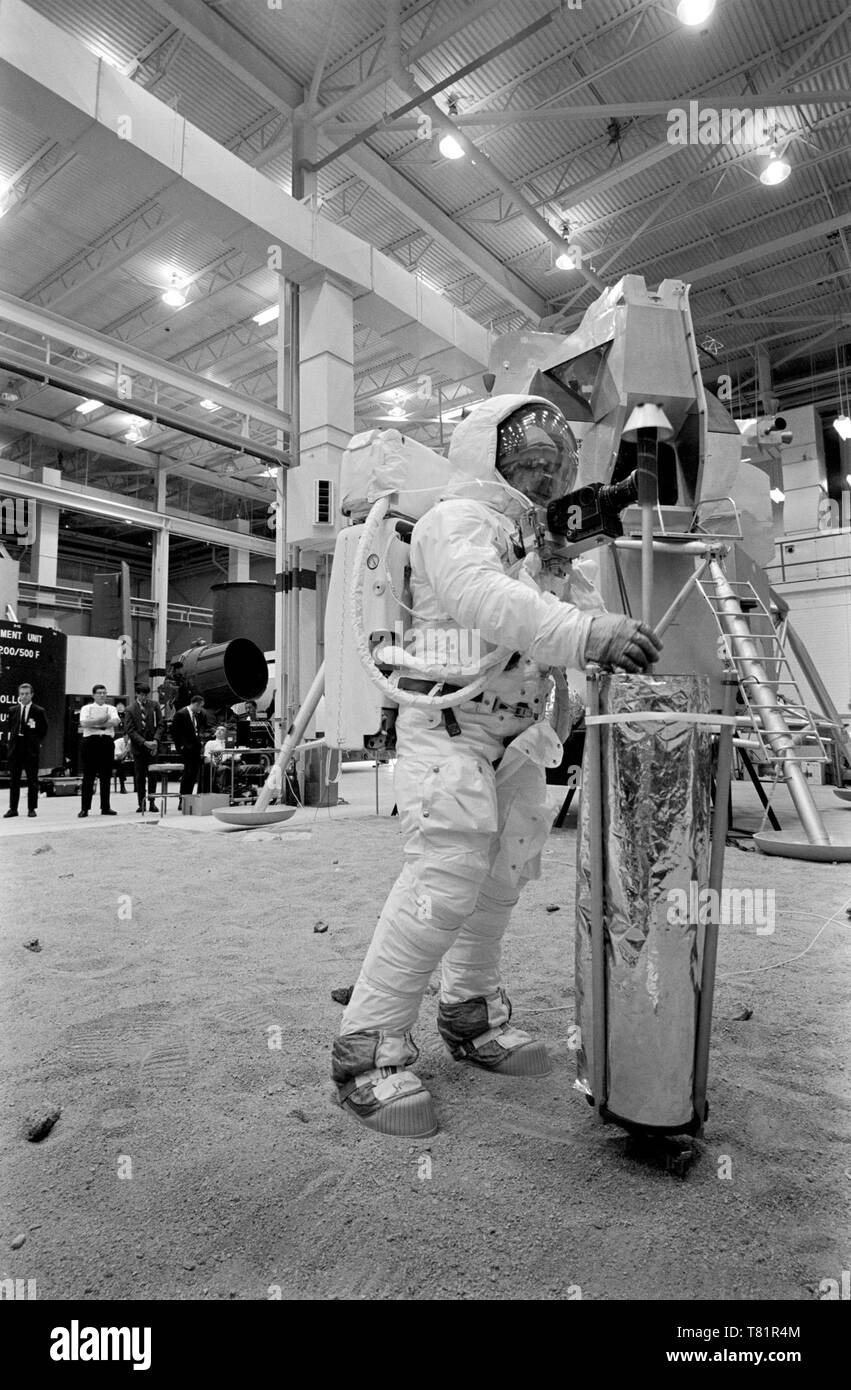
{"x":790,"y":846}
{"x":246,"y":818}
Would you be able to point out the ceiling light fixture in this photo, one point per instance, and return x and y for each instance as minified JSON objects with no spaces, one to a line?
{"x":450,"y":146}
{"x":209,"y":405}
{"x":566,"y":260}
{"x":777,"y":170}
{"x":174,"y":296}
{"x":397,"y":411}
{"x":842,"y":423}
{"x":267,"y":315}
{"x":86,"y":407}
{"x":692,"y":12}
{"x":777,"y":495}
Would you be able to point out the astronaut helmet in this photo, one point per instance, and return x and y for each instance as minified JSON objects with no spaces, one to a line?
{"x":536,"y":452}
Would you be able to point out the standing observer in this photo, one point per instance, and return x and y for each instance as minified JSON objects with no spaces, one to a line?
{"x":143,"y":726}
{"x":27,"y":727}
{"x":98,"y":723}
{"x":121,"y":747}
{"x":188,"y":737}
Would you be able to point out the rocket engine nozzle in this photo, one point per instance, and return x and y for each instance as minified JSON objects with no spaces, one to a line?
{"x":224,"y":673}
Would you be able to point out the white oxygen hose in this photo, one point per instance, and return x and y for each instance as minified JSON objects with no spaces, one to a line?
{"x":389,"y":685}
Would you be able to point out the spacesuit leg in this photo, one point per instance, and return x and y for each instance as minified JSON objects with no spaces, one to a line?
{"x":448,"y":806}
{"x":474,"y":1010}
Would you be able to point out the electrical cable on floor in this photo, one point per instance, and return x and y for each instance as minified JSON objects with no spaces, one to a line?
{"x":775,"y":965}
{"x":733,"y":974}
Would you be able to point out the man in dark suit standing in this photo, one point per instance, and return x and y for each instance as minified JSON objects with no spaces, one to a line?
{"x":143,"y":726}
{"x":189,"y":736}
{"x":27,"y":728}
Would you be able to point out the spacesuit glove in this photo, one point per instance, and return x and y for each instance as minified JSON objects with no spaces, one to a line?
{"x":615,"y":640}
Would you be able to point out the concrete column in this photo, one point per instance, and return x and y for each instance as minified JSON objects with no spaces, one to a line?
{"x":45,"y":559}
{"x":305,"y":146}
{"x":239,"y":561}
{"x":159,"y":587}
{"x":286,"y":376}
{"x":326,"y":421}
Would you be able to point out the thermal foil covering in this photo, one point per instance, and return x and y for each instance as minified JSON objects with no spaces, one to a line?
{"x":656,"y":819}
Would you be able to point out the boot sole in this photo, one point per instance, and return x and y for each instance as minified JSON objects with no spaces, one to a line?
{"x":529,"y":1061}
{"x":410,"y":1117}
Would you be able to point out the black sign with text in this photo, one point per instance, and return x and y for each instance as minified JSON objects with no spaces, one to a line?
{"x":37,"y":655}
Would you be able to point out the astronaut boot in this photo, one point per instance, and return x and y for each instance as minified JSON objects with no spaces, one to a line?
{"x":374,"y":1084}
{"x":478,"y":1031}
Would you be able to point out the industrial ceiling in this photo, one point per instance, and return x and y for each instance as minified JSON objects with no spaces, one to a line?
{"x":562,"y":113}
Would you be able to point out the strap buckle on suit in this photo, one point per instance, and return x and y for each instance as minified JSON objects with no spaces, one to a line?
{"x":485,"y":702}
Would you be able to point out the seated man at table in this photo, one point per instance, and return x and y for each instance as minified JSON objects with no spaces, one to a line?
{"x":219,"y":773}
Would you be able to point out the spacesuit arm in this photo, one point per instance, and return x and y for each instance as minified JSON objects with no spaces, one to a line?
{"x":459,"y":550}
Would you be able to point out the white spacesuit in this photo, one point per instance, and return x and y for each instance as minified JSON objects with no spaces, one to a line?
{"x":470,"y":784}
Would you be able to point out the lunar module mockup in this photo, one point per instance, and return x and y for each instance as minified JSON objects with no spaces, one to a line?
{"x":675,"y":529}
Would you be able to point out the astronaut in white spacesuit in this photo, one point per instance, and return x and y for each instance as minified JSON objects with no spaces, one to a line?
{"x":471,"y":785}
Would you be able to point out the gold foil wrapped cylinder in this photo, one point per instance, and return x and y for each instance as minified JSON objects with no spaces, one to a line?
{"x":656,"y":780}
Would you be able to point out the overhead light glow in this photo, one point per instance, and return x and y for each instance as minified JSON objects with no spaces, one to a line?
{"x":397,"y":411}
{"x":776,"y":171}
{"x":694,"y":11}
{"x":566,"y":261}
{"x":267,"y":315}
{"x":209,"y":405}
{"x":450,"y":148}
{"x":86,"y":407}
{"x":174,"y":296}
{"x":842,"y":425}
{"x":776,"y":495}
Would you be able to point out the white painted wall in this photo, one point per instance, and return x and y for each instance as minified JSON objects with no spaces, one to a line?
{"x":90,"y":660}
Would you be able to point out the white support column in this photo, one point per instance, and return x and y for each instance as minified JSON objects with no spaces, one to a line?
{"x":326,"y":424}
{"x":285,"y":293}
{"x":45,"y":558}
{"x":239,"y":561}
{"x":159,"y":586}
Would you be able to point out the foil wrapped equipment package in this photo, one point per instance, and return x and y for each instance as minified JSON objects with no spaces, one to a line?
{"x":656,"y":780}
